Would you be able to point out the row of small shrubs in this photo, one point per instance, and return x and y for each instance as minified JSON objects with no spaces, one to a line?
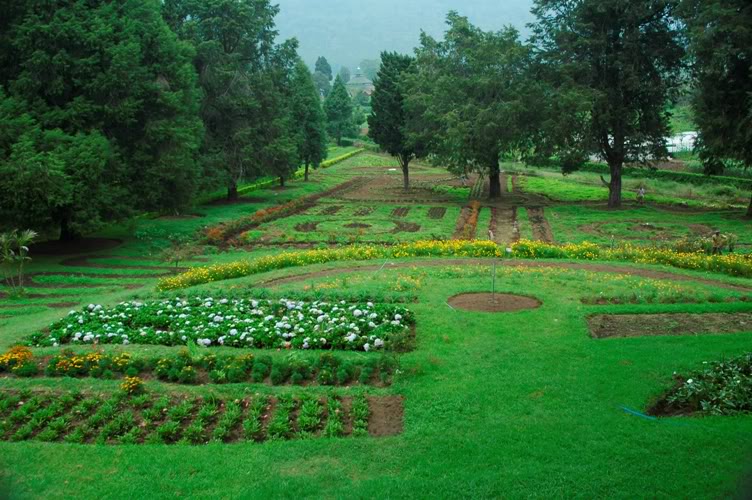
{"x":137,"y":417}
{"x":185,"y":368}
{"x":220,"y":233}
{"x":733,"y":265}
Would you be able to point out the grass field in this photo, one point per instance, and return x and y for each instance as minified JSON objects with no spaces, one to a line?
{"x":484,"y":405}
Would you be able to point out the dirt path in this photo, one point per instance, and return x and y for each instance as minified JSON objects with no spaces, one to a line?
{"x":541,"y":227}
{"x":459,"y":227}
{"x":575,"y":266}
{"x":504,"y":225}
{"x":504,"y":180}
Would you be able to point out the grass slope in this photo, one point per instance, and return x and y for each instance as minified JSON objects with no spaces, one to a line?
{"x":523,"y":404}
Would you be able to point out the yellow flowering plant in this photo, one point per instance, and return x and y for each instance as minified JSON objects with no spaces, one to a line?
{"x":731,"y":264}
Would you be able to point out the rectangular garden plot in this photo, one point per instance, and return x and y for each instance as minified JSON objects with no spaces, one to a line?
{"x":639,"y":325}
{"x":154,"y":419}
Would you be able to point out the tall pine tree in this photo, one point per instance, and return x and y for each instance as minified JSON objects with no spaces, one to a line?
{"x":110,"y":103}
{"x":720,"y":34}
{"x":466,"y":102}
{"x":339,"y":112}
{"x":243,"y":74}
{"x":387,"y":122}
{"x":308,"y":119}
{"x":624,"y":59}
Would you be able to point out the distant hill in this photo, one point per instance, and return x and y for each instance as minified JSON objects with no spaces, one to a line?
{"x":348,"y":31}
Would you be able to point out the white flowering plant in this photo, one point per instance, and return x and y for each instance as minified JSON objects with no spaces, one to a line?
{"x":237,"y":322}
{"x":720,"y":388}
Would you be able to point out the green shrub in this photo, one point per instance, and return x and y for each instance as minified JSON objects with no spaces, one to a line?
{"x":720,"y":388}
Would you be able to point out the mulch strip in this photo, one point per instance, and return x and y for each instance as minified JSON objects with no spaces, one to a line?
{"x":494,"y":303}
{"x":641,"y":325}
{"x":358,"y":225}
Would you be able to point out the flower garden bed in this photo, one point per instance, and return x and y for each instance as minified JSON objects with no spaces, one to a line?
{"x":249,"y":323}
{"x":134,"y":419}
{"x":720,"y":388}
{"x":733,"y":265}
{"x":187,"y":368}
{"x":638,"y":325}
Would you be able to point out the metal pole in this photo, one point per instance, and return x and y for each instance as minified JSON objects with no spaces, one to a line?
{"x":493,"y":292}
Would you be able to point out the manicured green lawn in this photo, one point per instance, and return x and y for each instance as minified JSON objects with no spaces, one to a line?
{"x":519,"y":404}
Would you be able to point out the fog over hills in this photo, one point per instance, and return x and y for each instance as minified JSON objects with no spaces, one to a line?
{"x":346,"y":32}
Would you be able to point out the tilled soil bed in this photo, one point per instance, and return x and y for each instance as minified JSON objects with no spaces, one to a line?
{"x":495,"y":303}
{"x":640,"y":325}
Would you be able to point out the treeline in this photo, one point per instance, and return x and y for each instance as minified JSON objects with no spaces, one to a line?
{"x":595,"y":79}
{"x":113,"y":107}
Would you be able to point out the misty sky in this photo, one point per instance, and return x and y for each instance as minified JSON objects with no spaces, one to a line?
{"x":348,"y":31}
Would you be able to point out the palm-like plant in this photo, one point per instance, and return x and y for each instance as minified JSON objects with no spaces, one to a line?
{"x":14,"y":252}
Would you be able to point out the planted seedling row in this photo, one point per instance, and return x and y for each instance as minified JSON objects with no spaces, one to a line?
{"x":160,"y":419}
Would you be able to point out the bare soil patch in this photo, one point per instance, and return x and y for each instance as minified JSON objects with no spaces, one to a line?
{"x":459,"y":227}
{"x":400,"y":212}
{"x":362,"y":212}
{"x":386,"y":418}
{"x":495,"y":303}
{"x":541,"y":228}
{"x":307,"y":227}
{"x":405,"y":227}
{"x":84,"y":245}
{"x":640,"y":325}
{"x":332,"y":210}
{"x":503,"y":226}
{"x":358,"y":225}
{"x":437,"y":213}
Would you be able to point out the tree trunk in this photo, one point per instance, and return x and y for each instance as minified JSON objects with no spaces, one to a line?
{"x":66,"y":233}
{"x":281,"y":181}
{"x":306,"y":172}
{"x":405,"y":173}
{"x":494,"y":180}
{"x":232,"y":191}
{"x":614,"y":186}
